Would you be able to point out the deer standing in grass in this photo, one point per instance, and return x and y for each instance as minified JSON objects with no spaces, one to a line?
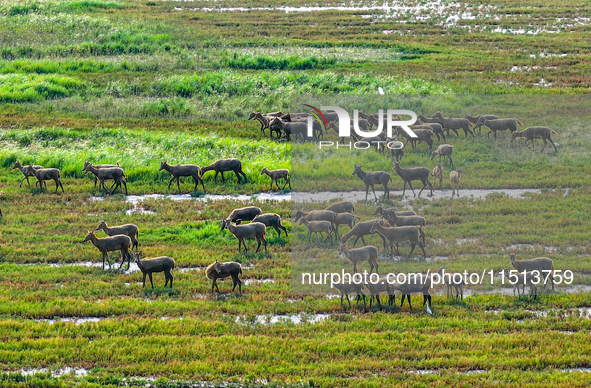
{"x":180,"y":170}
{"x":219,"y":270}
{"x":46,"y":174}
{"x":414,"y":174}
{"x":109,"y":244}
{"x":275,"y":175}
{"x":223,"y":165}
{"x":455,"y":177}
{"x":115,"y":173}
{"x":370,"y":178}
{"x":544,"y":265}
{"x":25,"y":170}
{"x":157,"y":264}
{"x":130,"y":230}
{"x":99,"y":166}
{"x":438,"y":174}
{"x":242,"y":232}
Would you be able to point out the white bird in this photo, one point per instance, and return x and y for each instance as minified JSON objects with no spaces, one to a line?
{"x":428,"y":309}
{"x":565,"y":194}
{"x":380,"y":90}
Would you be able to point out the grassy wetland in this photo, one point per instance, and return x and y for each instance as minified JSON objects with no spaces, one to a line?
{"x":143,"y":81}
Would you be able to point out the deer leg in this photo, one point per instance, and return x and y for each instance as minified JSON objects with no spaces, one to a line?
{"x":413,"y":190}
{"x":259,"y":243}
{"x":402,"y":302}
{"x":178,"y":183}
{"x":366,"y":191}
{"x":170,"y":182}
{"x":403,"y":189}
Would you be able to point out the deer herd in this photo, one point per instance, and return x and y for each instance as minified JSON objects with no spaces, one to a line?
{"x":394,"y":226}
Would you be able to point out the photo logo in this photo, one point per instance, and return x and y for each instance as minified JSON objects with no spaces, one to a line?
{"x":345,"y":122}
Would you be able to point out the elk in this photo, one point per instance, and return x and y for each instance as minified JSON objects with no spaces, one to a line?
{"x":433,"y":120}
{"x":219,"y":270}
{"x":179,"y":170}
{"x":264,"y":119}
{"x":442,"y":151}
{"x":342,"y":207}
{"x":344,"y":219}
{"x":521,"y":279}
{"x":453,"y":282}
{"x":317,"y":227}
{"x":347,"y":288}
{"x":271,"y":219}
{"x":109,"y":244}
{"x":223,"y":165}
{"x":475,"y":120}
{"x":368,"y":253}
{"x":360,"y":230}
{"x":275,"y":175}
{"x":542,"y":264}
{"x":415,"y":220}
{"x":435,"y":127}
{"x":115,"y":173}
{"x":414,"y":174}
{"x":423,"y":134}
{"x":455,"y":177}
{"x":157,"y":264}
{"x":98,"y":166}
{"x":291,"y":128}
{"x":397,"y":234}
{"x":438,"y":174}
{"x":25,"y":170}
{"x":244,"y":213}
{"x":453,"y":123}
{"x":499,"y":125}
{"x":46,"y":174}
{"x":532,"y":133}
{"x":376,"y":288}
{"x":370,"y":178}
{"x":387,"y":212}
{"x":317,"y":215}
{"x":242,"y":232}
{"x":130,"y":230}
{"x":418,"y":283}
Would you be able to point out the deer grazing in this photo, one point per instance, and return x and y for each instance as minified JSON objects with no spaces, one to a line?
{"x":371,"y":178}
{"x":219,"y":270}
{"x":110,"y":244}
{"x":275,"y":175}
{"x":180,"y":170}
{"x":532,"y":133}
{"x":244,"y":213}
{"x":271,"y":220}
{"x":115,"y":173}
{"x":414,"y":174}
{"x":223,"y":165}
{"x":455,"y":177}
{"x":242,"y":232}
{"x":46,"y":174}
{"x":25,"y":170}
{"x":130,"y":230}
{"x":157,"y":264}
{"x":98,"y":166}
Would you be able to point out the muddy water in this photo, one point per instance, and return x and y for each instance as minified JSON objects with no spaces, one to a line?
{"x":355,"y":196}
{"x":296,"y":319}
{"x":136,"y":199}
{"x":76,"y":321}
